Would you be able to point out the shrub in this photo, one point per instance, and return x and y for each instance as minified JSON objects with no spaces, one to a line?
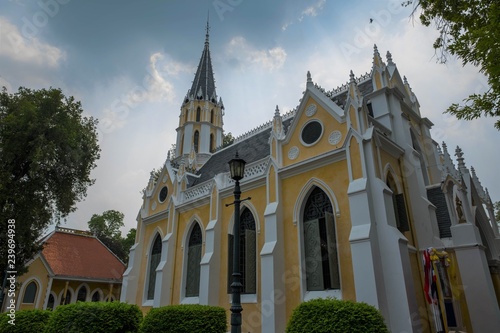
{"x":335,"y":316}
{"x":185,"y":319}
{"x":26,"y":321}
{"x":95,"y":317}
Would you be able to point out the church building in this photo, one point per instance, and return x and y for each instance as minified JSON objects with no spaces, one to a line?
{"x":351,"y":198}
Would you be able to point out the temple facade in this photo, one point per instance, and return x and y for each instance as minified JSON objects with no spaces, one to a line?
{"x":351,"y":198}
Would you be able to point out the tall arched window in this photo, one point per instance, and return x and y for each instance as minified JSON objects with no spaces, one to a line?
{"x":154,"y":260}
{"x":198,"y":114}
{"x":212,"y":116}
{"x":82,"y":294}
{"x":30,"y":292}
{"x":398,"y":204}
{"x":196,"y":140}
{"x":320,"y":245}
{"x":212,"y":143}
{"x":248,"y":261}
{"x":193,"y":262}
{"x":186,"y":116}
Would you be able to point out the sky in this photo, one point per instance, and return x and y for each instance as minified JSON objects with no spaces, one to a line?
{"x":130,"y":63}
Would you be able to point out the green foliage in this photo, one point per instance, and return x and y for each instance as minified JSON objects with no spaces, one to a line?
{"x":469,"y":30}
{"x":227,"y":139}
{"x":496,"y":207}
{"x":335,"y":316}
{"x":26,"y":321}
{"x":107,"y":224}
{"x":106,"y":227}
{"x":186,"y":318}
{"x":47,"y":151}
{"x":95,"y":317}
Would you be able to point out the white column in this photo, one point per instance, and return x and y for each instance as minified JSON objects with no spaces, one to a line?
{"x":272,"y":272}
{"x":210,"y":266}
{"x":476,"y":279}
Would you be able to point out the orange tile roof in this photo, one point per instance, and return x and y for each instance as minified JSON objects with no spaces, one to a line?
{"x":82,"y":256}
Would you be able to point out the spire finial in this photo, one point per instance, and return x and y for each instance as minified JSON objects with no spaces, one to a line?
{"x":389,"y":58}
{"x":351,"y":77}
{"x":277,"y":112}
{"x":460,"y":157}
{"x":207,"y":28}
{"x":309,"y":79}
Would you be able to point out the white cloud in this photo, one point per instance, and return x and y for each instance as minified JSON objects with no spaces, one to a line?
{"x":239,"y":50}
{"x":312,"y":10}
{"x":27,"y":50}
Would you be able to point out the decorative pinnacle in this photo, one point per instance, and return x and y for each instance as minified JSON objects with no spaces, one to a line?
{"x":459,"y":154}
{"x":351,"y":77}
{"x":389,"y":58}
{"x":473,"y":171}
{"x":405,"y":81}
{"x":375,"y":49}
{"x":445,"y":148}
{"x":309,"y":79}
{"x":277,"y":112}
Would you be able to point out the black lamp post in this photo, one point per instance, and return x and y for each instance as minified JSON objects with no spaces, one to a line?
{"x":237,"y":169}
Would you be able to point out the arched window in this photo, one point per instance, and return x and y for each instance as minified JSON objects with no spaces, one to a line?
{"x":193,"y":262}
{"x":212,"y":143}
{"x":96,"y":297}
{"x":30,"y":293}
{"x":398,"y":204}
{"x":82,"y":294}
{"x":196,"y":140}
{"x":67,"y":299}
{"x":248,"y":262}
{"x":320,"y":245}
{"x":186,"y":116}
{"x":51,"y":302}
{"x":154,"y":260}
{"x":198,"y":114}
{"x":212,"y":116}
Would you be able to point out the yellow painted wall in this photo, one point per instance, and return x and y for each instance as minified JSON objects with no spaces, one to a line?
{"x":35,"y":270}
{"x":149,"y":232}
{"x":329,"y":125}
{"x":335,"y":176}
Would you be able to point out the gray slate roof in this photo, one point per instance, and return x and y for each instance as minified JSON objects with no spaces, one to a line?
{"x":253,"y":148}
{"x":204,"y":77}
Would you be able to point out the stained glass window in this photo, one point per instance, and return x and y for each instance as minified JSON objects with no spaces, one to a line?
{"x":30,"y":292}
{"x":193,"y":262}
{"x":154,"y":260}
{"x":320,"y":245}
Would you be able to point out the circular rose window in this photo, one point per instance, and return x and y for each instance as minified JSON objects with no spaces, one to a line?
{"x":163,"y":194}
{"x":311,"y":132}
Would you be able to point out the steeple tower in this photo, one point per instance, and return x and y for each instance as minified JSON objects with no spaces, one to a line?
{"x":200,"y":121}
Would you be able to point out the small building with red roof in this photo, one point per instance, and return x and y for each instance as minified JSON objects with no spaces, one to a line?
{"x":72,"y":266}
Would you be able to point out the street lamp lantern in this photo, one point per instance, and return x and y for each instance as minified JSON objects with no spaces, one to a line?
{"x":237,"y":168}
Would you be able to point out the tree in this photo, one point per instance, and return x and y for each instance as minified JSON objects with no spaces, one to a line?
{"x":106,"y":227}
{"x":496,"y":206}
{"x":107,"y":224}
{"x":227,"y":139}
{"x":129,"y":240}
{"x":47,"y":151}
{"x":469,"y":30}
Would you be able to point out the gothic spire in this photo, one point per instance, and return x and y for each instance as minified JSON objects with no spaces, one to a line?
{"x":203,"y":86}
